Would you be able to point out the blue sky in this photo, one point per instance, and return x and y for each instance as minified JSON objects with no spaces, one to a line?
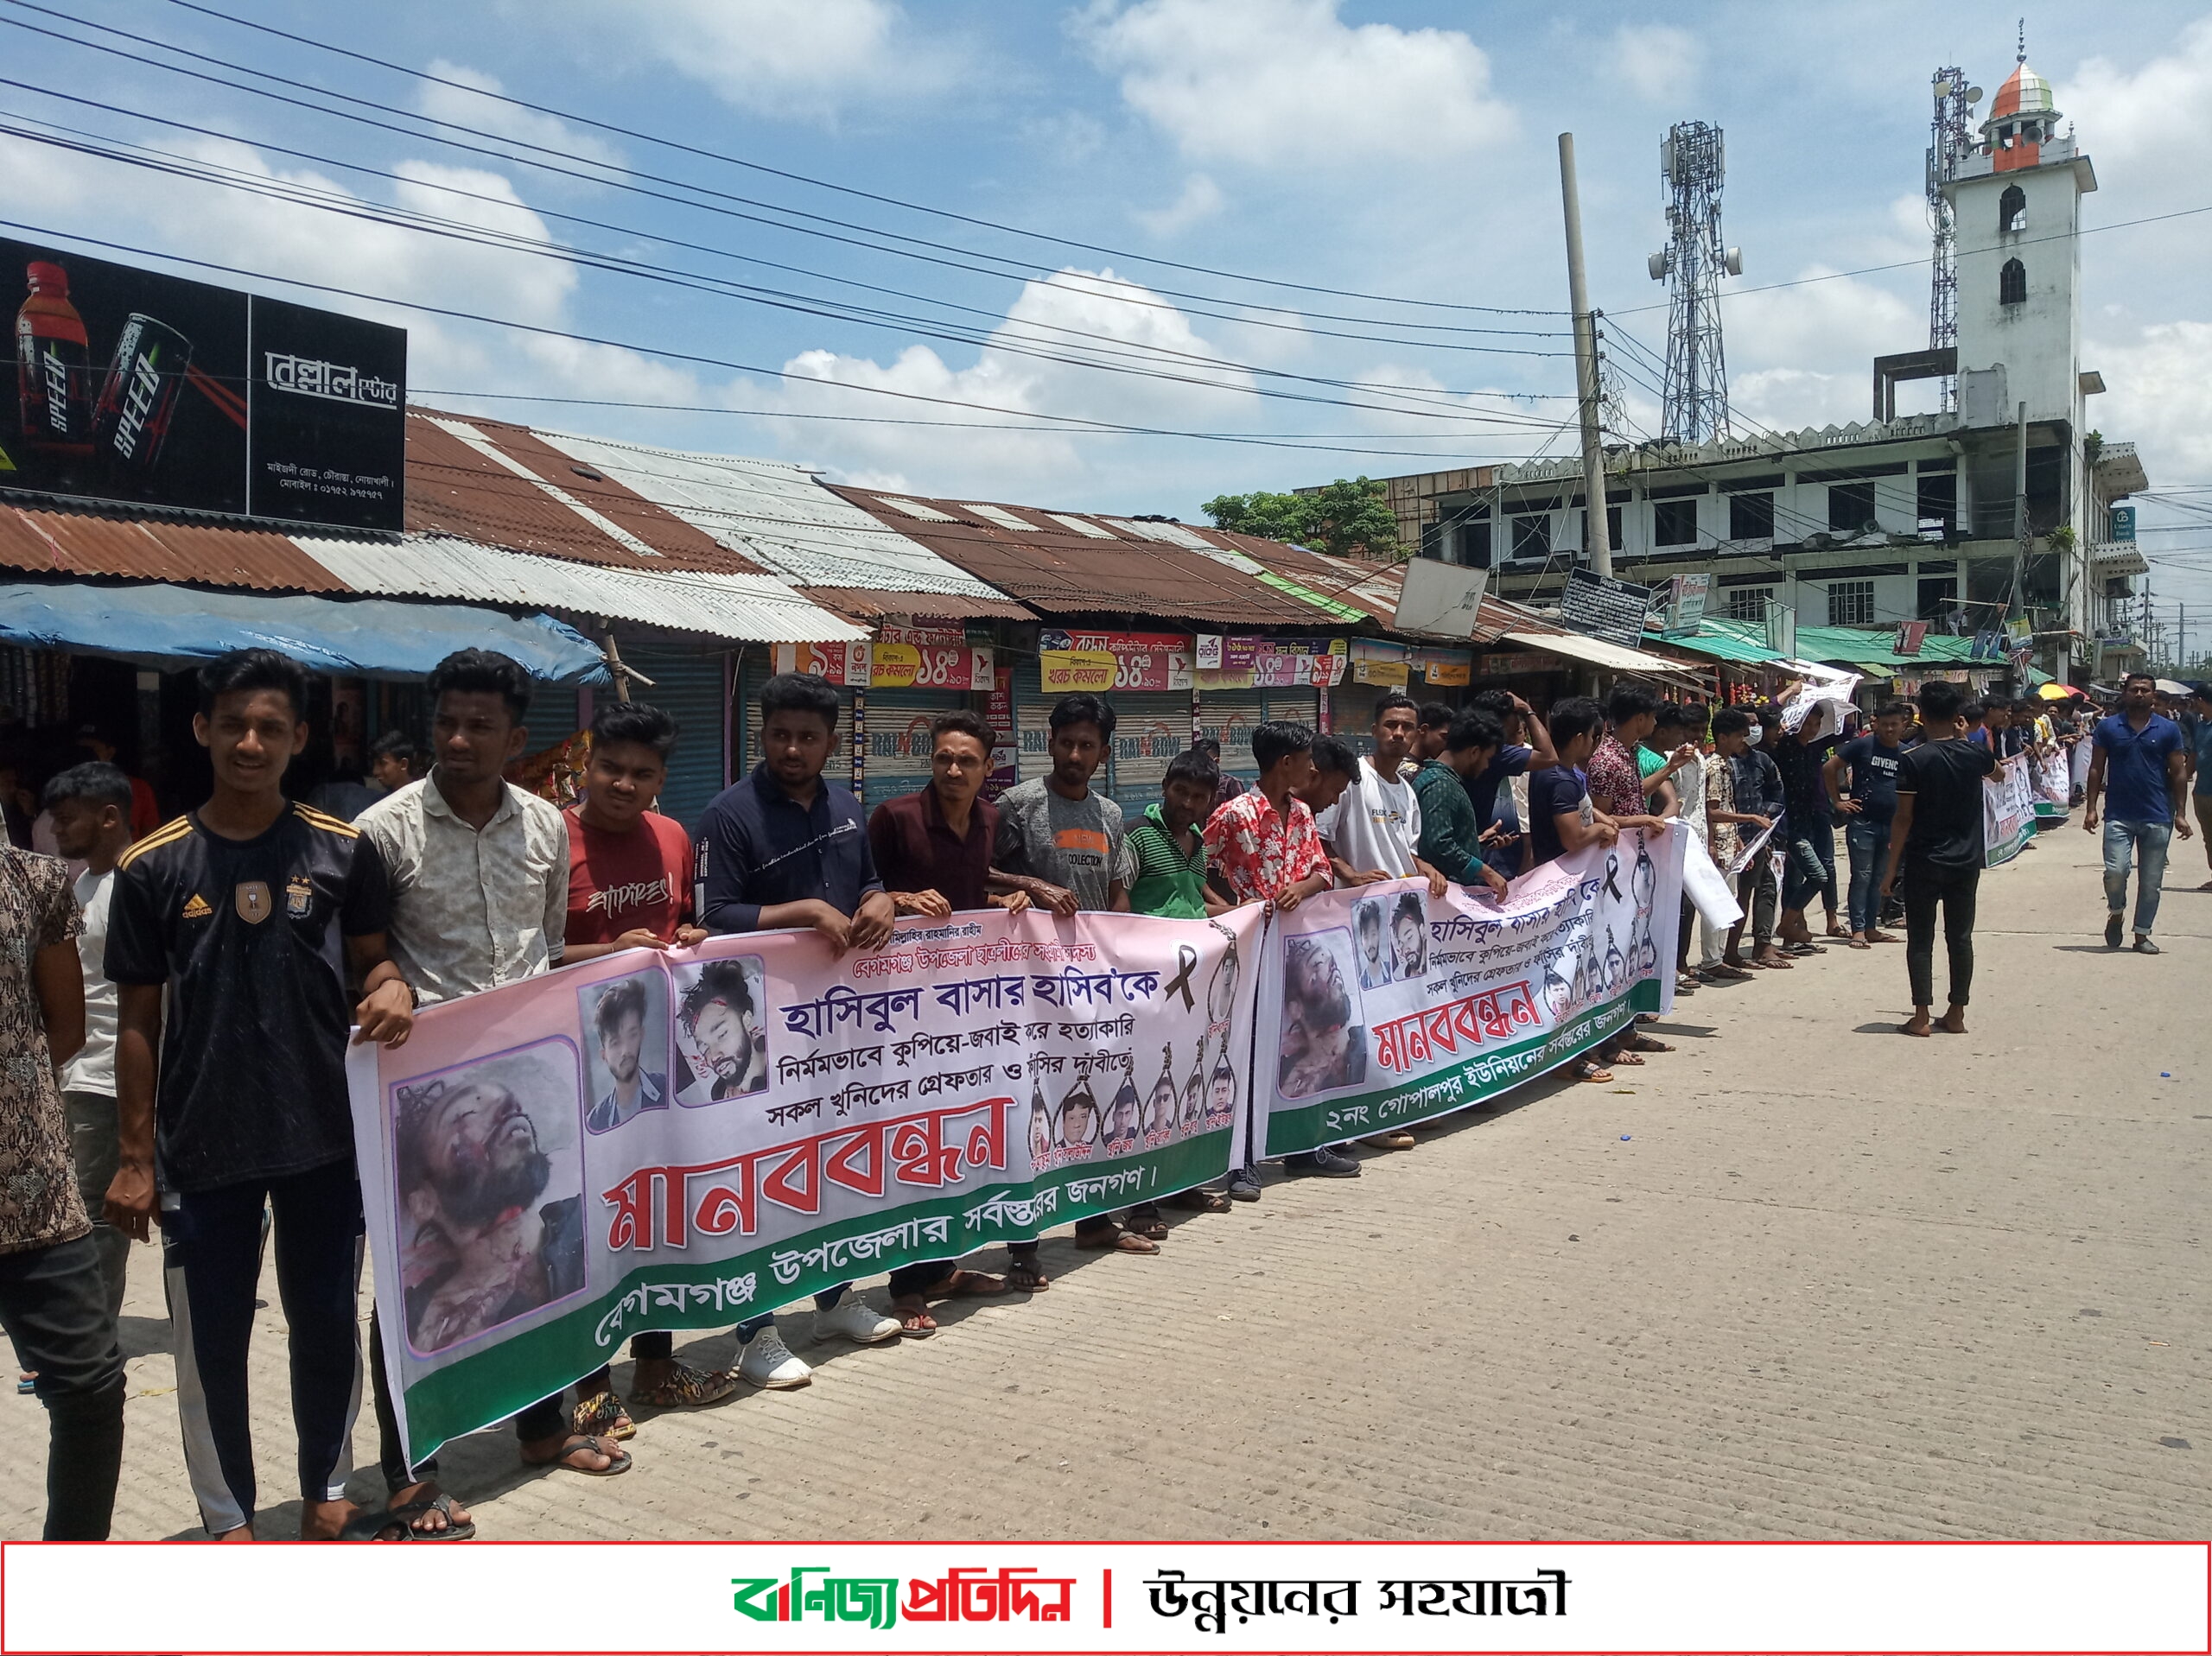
{"x":1396,"y":151}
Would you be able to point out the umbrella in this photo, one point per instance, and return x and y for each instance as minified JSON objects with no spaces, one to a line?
{"x":2174,"y":686}
{"x":2055,"y":691}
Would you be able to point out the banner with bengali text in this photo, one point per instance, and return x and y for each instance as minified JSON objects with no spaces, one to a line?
{"x":1381,"y":1006}
{"x":682,"y":1141}
{"x":2008,"y":810}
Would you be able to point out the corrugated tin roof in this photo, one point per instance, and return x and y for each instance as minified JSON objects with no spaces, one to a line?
{"x":779,"y":517}
{"x":759,"y":608}
{"x":54,"y":541}
{"x":1068,"y":571}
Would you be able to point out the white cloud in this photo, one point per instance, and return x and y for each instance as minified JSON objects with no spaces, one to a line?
{"x":1803,"y":356}
{"x":2161,"y":399}
{"x":487,"y":114}
{"x":1201,"y":200}
{"x":1282,"y":83}
{"x":2132,"y":119}
{"x":802,"y":59}
{"x":1657,"y":62}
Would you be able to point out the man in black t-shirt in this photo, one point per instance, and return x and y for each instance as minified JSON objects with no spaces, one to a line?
{"x":251,"y":913}
{"x":1936,"y":834}
{"x":1862,"y":781}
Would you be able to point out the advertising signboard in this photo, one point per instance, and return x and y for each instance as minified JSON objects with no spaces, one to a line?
{"x":1143,"y":660}
{"x":142,"y":389}
{"x":1605,"y":607}
{"x":1686,"y":596}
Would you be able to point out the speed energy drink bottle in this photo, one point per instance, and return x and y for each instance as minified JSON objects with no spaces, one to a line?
{"x":53,"y":369}
{"x":138,"y":397}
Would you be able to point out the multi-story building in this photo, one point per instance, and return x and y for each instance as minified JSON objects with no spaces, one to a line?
{"x":1961,"y":518}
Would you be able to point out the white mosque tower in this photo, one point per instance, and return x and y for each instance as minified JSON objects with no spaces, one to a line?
{"x":2017,"y":201}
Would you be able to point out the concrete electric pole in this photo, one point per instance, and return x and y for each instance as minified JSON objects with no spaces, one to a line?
{"x":1596,"y":530}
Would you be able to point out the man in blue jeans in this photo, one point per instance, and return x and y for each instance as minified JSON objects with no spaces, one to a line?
{"x":2141,"y":766}
{"x":1862,"y":780}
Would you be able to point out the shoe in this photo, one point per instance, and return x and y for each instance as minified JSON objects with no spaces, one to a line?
{"x":2113,"y":925}
{"x":1329,"y":1164}
{"x":1243,"y":1185}
{"x":2145,"y":946}
{"x":1390,"y":1141}
{"x":764,"y":1361}
{"x":854,"y":1318}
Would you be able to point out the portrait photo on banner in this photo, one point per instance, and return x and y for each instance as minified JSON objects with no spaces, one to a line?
{"x":488,"y":1171}
{"x":626,"y":1065}
{"x":721,"y":1029}
{"x":1324,"y":1033}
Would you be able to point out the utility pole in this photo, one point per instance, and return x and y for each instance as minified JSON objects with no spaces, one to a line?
{"x":1596,"y":530}
{"x":2017,"y":603}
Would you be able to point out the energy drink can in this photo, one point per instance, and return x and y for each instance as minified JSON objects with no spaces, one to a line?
{"x":138,"y":398}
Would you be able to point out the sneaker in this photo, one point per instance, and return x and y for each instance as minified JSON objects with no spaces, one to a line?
{"x":1243,"y":1185}
{"x":2145,"y":946}
{"x":2113,"y":924}
{"x":1329,"y":1164}
{"x":854,"y":1318}
{"x":764,"y":1361}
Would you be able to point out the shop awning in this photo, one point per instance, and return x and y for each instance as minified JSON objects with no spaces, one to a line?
{"x":152,"y":623}
{"x":1617,"y":658}
{"x":1721,"y":643}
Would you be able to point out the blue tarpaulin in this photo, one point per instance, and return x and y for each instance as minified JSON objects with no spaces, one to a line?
{"x":373,"y":638}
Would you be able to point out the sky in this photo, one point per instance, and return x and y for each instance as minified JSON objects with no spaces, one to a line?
{"x":963,"y":248}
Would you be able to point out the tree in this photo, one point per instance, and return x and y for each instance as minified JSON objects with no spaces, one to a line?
{"x":1345,"y":518}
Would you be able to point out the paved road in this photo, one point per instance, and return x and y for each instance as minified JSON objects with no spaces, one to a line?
{"x":1803,"y":1277}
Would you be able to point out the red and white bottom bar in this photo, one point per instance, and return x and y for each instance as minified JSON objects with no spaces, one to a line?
{"x":484,"y":1597}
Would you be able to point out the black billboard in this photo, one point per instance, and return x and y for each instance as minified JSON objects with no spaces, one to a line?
{"x":143,"y":389}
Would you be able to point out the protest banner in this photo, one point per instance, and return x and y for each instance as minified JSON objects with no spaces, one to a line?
{"x":2008,"y":810}
{"x":1381,"y":1006}
{"x":2054,"y":783}
{"x":680,"y":1141}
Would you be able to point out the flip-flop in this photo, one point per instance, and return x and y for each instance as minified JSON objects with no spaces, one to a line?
{"x":1646,"y":1043}
{"x":1120,"y":1240}
{"x":1590,"y":1070}
{"x":619,"y":1463}
{"x":1201,"y":1201}
{"x":601,"y":1415}
{"x":967,"y":1285}
{"x":915,"y":1322}
{"x":1026,"y":1277}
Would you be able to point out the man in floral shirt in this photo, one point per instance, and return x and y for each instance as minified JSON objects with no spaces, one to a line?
{"x":1263,"y":846}
{"x":52,"y":1296}
{"x":1616,"y":790}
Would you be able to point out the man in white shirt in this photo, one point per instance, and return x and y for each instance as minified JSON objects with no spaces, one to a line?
{"x":89,"y":806}
{"x":1370,"y":832}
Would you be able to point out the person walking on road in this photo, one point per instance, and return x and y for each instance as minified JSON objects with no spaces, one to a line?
{"x":1936,"y":835}
{"x":2140,"y":770}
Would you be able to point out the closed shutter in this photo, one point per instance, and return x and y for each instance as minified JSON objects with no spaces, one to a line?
{"x":1229,"y":717}
{"x":756,"y":673}
{"x":1351,"y":711}
{"x":687,"y":685}
{"x":1032,"y":708}
{"x":1152,"y":726}
{"x":899,"y":740}
{"x":1301,"y":706}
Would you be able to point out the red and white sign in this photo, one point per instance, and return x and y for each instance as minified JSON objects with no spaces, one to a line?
{"x":1142,"y":661}
{"x":893,"y":663}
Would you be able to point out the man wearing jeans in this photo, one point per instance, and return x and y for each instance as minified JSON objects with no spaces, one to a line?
{"x":1862,"y":780}
{"x":2141,"y":766}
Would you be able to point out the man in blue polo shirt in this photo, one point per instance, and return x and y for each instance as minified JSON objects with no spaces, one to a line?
{"x":2141,"y":766}
{"x":786,"y":847}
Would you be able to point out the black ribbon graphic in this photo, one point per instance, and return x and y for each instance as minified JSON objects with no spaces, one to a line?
{"x":1187,"y":958}
{"x":1612,"y":880}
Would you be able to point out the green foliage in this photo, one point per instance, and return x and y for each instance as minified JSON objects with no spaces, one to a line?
{"x":1349,"y":516}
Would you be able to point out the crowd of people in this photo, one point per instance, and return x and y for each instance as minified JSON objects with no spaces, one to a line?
{"x":177,"y":1013}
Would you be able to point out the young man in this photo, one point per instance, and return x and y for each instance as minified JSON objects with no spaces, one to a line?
{"x":1682,"y":767}
{"x":479,"y":897}
{"x":2200,"y":766}
{"x":1861,"y":779}
{"x":145,"y":816}
{"x":91,"y":808}
{"x":1758,"y":788}
{"x":395,"y":760}
{"x":1936,"y":835}
{"x":2142,"y":762}
{"x":1334,"y":767}
{"x":1451,"y":838}
{"x":1615,"y":787}
{"x":53,"y":1297}
{"x":1528,"y":748}
{"x":1564,"y":816}
{"x":1808,"y":863}
{"x":1975,"y":717}
{"x":1371,"y":831}
{"x":1061,"y":842}
{"x":630,"y":887}
{"x":1724,"y":828}
{"x":1227,"y":787}
{"x":932,"y":851}
{"x":1434,"y":726}
{"x":785,"y":848}
{"x":1262,"y":846}
{"x":246,"y":917}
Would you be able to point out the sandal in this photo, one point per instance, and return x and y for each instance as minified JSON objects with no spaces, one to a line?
{"x":398,"y":1523}
{"x":1201,"y":1201}
{"x":686,"y":1387}
{"x":1644,"y":1043}
{"x":585,"y":1443}
{"x":1145,"y":1224}
{"x":1120,"y":1240}
{"x":1591,"y":1070}
{"x":966,"y":1284}
{"x":1727,"y":974}
{"x":1025,"y":1276}
{"x":601,"y":1415}
{"x":912,"y":1311}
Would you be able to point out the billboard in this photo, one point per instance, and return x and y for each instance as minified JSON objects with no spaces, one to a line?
{"x":146,"y":390}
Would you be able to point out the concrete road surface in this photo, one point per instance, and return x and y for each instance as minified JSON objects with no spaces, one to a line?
{"x":1802,"y":1278}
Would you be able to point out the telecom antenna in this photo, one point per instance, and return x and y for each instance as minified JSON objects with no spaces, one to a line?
{"x":1950,"y":140}
{"x":1695,"y":404}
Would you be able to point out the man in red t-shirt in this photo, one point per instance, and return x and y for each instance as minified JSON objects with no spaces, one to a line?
{"x":630,"y":887}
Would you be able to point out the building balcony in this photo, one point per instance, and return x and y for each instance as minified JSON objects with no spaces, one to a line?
{"x":2116,"y":558}
{"x":2119,"y":471}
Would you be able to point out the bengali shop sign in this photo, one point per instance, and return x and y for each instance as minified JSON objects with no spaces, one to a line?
{"x":1142,"y":661}
{"x":918,"y":658}
{"x":1381,"y":1006}
{"x":681,"y":1141}
{"x":1248,"y":663}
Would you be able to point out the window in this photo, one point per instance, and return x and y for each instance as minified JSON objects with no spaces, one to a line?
{"x":2012,"y":283}
{"x":1939,"y":596}
{"x":1532,"y":535}
{"x":1750,"y":517}
{"x":1937,"y":507}
{"x":1432,"y":541}
{"x":1674,"y":522}
{"x":2012,"y":210}
{"x":1749,"y":603}
{"x":1851,"y":603}
{"x":1612,"y":528}
{"x":1851,"y":507}
{"x":1474,"y":543}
